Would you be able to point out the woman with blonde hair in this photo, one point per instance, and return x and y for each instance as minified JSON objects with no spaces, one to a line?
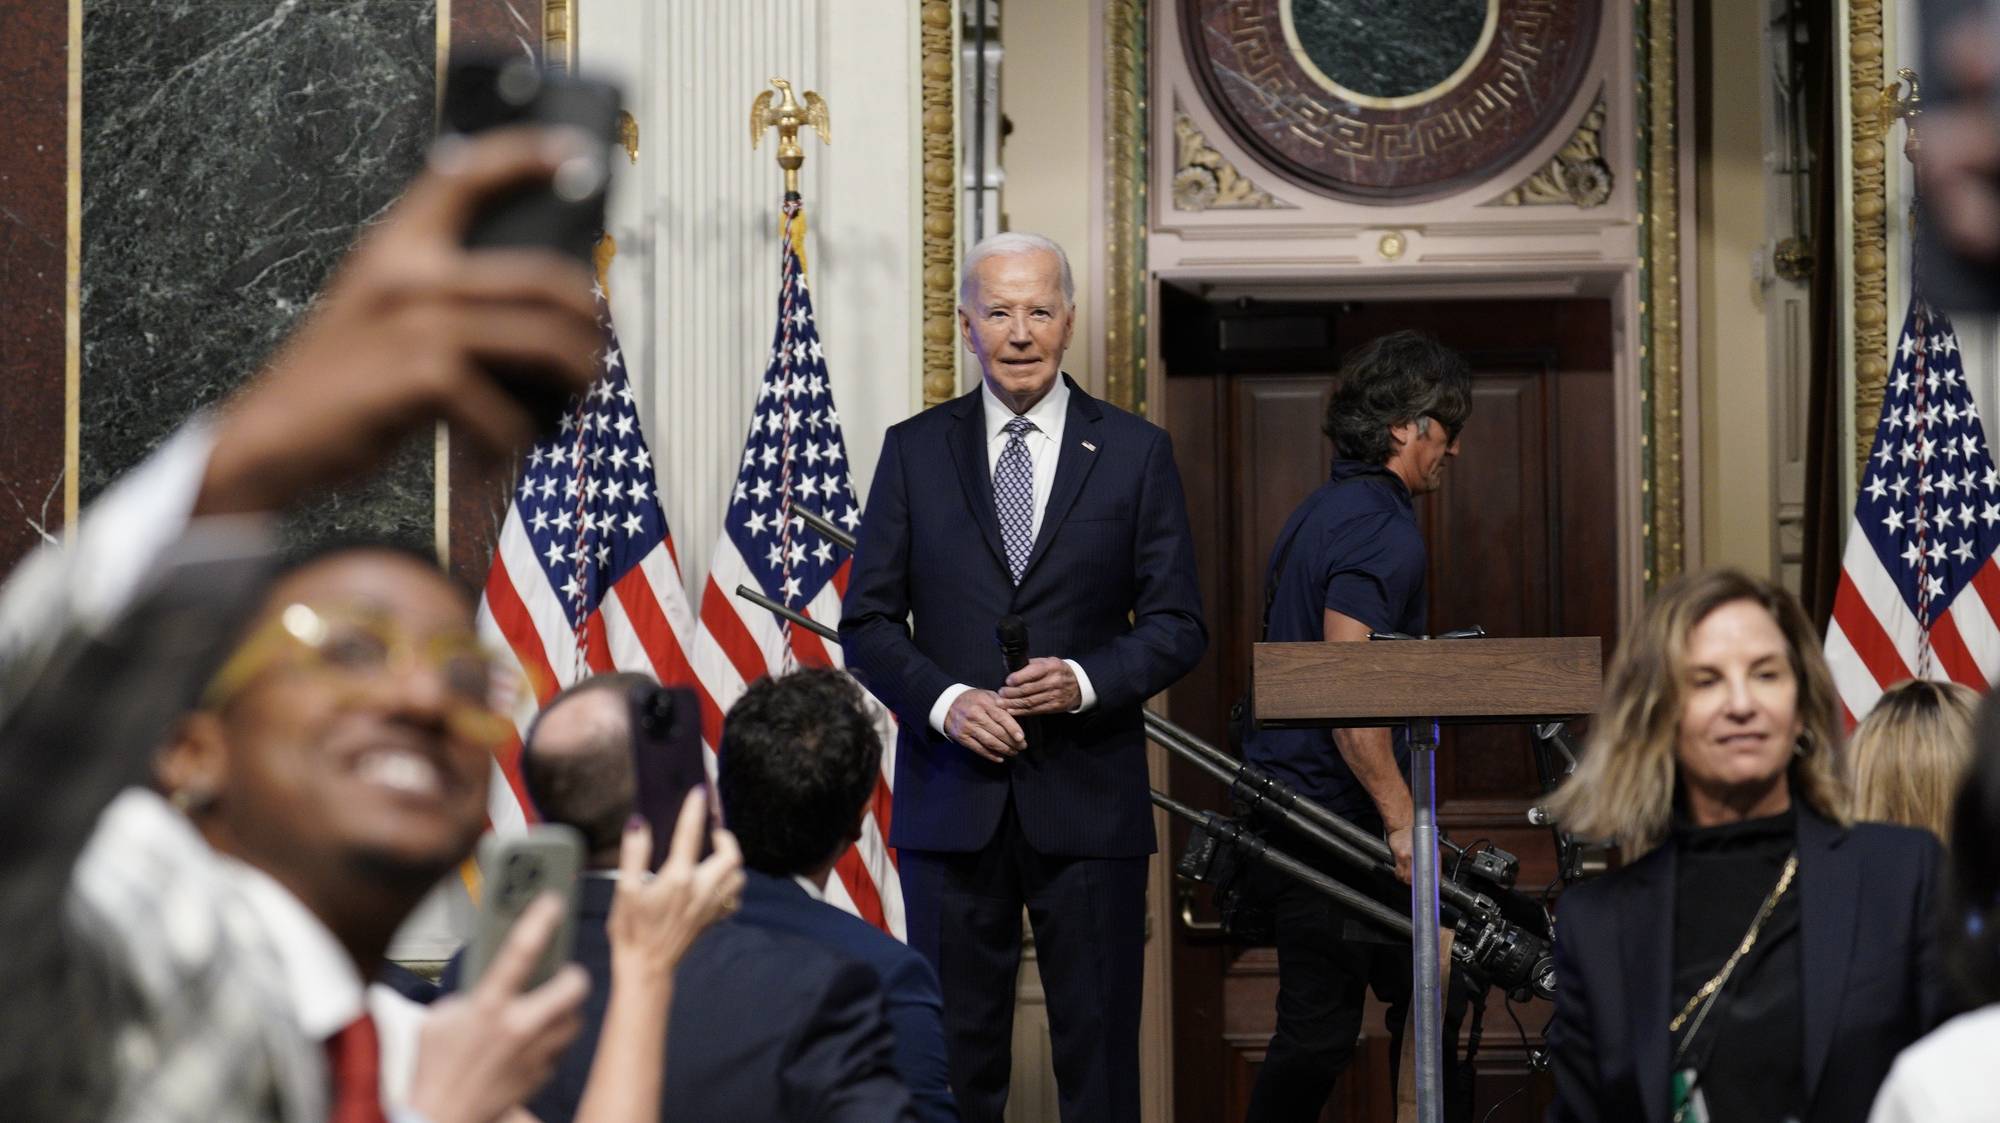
{"x":1910,"y":753}
{"x":1726,"y":972}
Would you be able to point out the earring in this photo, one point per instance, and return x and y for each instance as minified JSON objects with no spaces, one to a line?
{"x":191,"y":800}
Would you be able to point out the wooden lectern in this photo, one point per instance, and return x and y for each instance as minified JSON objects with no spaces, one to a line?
{"x":1420,"y":684}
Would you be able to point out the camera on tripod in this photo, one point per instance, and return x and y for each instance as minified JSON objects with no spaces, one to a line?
{"x":1490,"y":949}
{"x":1502,"y":938}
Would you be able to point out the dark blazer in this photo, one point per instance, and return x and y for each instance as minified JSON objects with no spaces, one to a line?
{"x":910,"y":987}
{"x":1873,"y":979}
{"x":1110,"y":583}
{"x":766,"y":1027}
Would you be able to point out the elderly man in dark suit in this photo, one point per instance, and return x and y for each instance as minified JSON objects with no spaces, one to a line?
{"x":1028,"y":498}
{"x":766,"y":1027}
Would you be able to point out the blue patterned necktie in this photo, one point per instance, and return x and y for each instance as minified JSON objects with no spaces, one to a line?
{"x":1014,"y":495}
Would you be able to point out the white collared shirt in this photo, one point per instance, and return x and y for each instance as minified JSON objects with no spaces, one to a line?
{"x":327,"y":993}
{"x":1043,"y":441}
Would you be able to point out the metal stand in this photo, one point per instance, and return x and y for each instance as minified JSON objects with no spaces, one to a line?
{"x":1427,"y":1005}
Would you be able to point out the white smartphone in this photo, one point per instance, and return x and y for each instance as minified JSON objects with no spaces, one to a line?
{"x":515,"y":870}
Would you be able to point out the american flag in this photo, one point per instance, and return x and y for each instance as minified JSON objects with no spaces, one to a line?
{"x":585,"y":578}
{"x":1919,"y":592}
{"x":794,"y":453}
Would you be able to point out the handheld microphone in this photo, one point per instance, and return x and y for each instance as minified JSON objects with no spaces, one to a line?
{"x":1012,"y":634}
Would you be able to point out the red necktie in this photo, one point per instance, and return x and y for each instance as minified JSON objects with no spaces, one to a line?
{"x":356,"y":1056}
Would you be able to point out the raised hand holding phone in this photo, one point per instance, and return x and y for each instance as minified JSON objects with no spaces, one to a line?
{"x":484,"y":1050}
{"x":655,"y":915}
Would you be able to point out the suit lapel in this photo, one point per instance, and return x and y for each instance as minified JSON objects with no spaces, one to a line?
{"x":1829,"y":901}
{"x":1646,"y":926}
{"x":967,"y":439}
{"x":1082,"y":444}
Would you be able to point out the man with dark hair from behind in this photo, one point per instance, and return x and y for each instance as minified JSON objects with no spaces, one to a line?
{"x":799,"y":759}
{"x":766,"y":1026}
{"x":1350,"y":561}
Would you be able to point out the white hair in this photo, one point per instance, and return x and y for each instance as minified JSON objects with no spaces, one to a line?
{"x":1005,"y":245}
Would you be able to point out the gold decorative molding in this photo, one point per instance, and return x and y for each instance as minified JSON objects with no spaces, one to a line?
{"x":940,"y":215}
{"x":1125,"y":204}
{"x":1660,"y":382}
{"x":1867,"y":126}
{"x":559,"y":34}
{"x":1205,"y":180}
{"x":1577,"y":175}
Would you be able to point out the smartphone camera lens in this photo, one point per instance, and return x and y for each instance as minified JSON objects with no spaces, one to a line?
{"x":518,"y":83}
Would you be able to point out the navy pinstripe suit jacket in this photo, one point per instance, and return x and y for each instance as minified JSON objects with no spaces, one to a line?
{"x":1110,"y":584}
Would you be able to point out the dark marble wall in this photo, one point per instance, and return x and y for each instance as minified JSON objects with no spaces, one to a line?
{"x":232,"y":150}
{"x":1389,"y":48}
{"x":34,"y":270}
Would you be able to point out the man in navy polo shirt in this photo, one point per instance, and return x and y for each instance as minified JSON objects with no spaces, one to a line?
{"x":1351,"y":561}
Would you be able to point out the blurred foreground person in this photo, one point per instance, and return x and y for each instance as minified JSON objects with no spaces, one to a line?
{"x":1759,"y":958}
{"x":766,"y":1027}
{"x":1910,"y":753}
{"x":342,"y":757}
{"x":1949,"y":1076}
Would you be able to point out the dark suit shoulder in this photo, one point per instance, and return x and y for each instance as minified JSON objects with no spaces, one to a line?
{"x":1894,"y":838}
{"x":1599,"y":898}
{"x":777,"y":905}
{"x":934,"y":420}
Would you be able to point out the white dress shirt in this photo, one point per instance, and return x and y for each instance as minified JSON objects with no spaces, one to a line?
{"x":327,"y":993}
{"x":1948,"y":1077}
{"x":1043,"y":441}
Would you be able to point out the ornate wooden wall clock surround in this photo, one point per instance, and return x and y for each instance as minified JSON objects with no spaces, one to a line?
{"x":1389,"y":101}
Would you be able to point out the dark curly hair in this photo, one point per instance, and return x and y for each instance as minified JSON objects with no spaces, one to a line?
{"x":1392,"y":380}
{"x":1972,"y":891}
{"x":798,"y":762}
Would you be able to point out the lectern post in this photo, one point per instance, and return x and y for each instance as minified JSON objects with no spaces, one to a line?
{"x":1427,"y":987}
{"x":1419,"y":685}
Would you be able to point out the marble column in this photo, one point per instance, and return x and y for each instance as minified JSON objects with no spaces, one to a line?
{"x":231,"y":151}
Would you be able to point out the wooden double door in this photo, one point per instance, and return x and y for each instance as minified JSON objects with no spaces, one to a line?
{"x":1521,"y":539}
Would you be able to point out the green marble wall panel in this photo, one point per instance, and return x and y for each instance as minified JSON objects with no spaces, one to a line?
{"x":232,"y":151}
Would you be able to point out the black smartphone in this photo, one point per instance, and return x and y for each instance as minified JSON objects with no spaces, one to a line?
{"x":567,"y":212}
{"x":668,"y":762}
{"x":564,"y":213}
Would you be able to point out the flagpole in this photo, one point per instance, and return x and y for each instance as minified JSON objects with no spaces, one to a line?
{"x":788,"y":117}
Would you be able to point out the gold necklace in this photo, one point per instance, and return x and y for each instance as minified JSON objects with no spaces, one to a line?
{"x":1709,"y":988}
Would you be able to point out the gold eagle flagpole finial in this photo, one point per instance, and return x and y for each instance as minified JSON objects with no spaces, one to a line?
{"x":789,"y":117}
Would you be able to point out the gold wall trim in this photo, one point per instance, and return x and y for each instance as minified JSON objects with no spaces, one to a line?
{"x":940,"y":211}
{"x":559,"y":34}
{"x":1866,"y":130}
{"x":1127,"y":169}
{"x":441,"y":437}
{"x":73,"y":296}
{"x":1660,"y":387}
